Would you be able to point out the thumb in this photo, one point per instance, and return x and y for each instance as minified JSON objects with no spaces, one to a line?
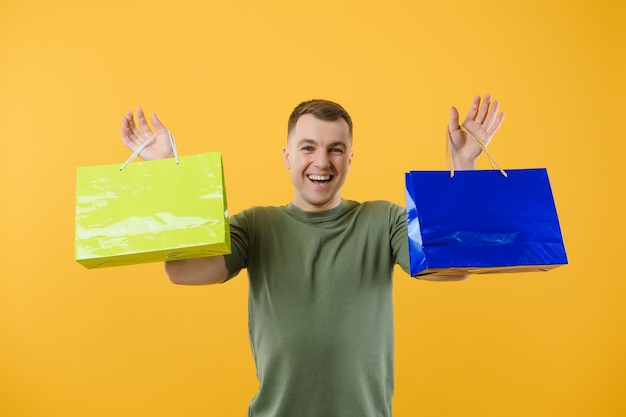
{"x":157,"y":123}
{"x":454,"y":119}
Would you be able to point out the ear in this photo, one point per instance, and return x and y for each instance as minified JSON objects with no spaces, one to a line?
{"x":286,"y":155}
{"x":350,"y":160}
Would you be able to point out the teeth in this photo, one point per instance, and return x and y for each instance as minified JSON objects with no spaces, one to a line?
{"x":319,"y":177}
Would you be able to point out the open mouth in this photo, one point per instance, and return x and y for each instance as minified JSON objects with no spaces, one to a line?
{"x":320,"y":179}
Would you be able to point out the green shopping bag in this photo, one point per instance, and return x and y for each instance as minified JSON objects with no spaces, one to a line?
{"x":151,"y":211}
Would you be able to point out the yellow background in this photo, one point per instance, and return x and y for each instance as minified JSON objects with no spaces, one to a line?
{"x":224,"y":76}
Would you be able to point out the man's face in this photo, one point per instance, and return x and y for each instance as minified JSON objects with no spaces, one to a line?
{"x":318,"y":154}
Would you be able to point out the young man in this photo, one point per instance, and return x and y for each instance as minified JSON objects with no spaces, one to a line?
{"x":320,"y":268}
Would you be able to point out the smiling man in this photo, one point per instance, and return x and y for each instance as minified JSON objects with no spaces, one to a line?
{"x":318,"y":154}
{"x":320,"y":268}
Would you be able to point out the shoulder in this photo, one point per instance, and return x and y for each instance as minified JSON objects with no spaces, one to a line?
{"x":380,"y":211}
{"x":379,"y":206}
{"x":258,"y":213}
{"x":264,"y":210}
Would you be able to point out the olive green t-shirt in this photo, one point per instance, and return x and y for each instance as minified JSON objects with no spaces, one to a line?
{"x":320,"y":306}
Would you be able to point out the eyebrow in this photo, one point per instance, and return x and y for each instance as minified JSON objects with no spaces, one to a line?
{"x":314,"y":142}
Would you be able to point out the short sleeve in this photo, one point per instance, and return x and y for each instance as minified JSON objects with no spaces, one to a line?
{"x":240,"y":244}
{"x":399,"y":237}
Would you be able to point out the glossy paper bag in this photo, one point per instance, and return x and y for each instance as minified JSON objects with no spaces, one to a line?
{"x":482,"y":222}
{"x":151,"y":211}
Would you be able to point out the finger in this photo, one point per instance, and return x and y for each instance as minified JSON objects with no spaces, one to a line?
{"x":491,"y":115}
{"x":127,"y":135}
{"x":125,"y":128}
{"x":484,"y":109}
{"x":135,"y":132}
{"x":142,"y":122}
{"x":471,"y":115}
{"x":453,"y":124}
{"x":496,"y":124}
{"x":158,"y":126}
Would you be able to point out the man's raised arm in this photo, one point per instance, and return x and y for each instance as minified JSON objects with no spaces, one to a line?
{"x":482,"y":121}
{"x":198,"y":271}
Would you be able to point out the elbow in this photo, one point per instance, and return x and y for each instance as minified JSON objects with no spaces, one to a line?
{"x":458,"y":277}
{"x":174,"y":279}
{"x":442,"y":278}
{"x":179,"y":274}
{"x":174,"y":274}
{"x":194,"y":272}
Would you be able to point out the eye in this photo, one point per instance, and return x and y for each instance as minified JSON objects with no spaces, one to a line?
{"x":307,"y":148}
{"x":336,"y":150}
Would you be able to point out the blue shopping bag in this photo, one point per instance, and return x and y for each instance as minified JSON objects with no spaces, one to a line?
{"x":482,"y":222}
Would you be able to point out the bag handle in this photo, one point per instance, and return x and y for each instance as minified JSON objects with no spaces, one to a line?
{"x":493,"y":162}
{"x":146,"y":143}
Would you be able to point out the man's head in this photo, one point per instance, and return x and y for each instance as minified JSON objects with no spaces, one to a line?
{"x":322,"y":109}
{"x":318,"y":153}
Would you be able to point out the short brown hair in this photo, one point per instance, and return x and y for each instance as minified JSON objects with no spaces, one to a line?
{"x":322,"y":109}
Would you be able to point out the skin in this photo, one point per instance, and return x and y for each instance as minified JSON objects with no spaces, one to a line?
{"x":318,"y":155}
{"x":483,"y":120}
{"x":315,"y":149}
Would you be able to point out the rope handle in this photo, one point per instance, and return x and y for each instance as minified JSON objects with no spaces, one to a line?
{"x":493,"y":162}
{"x":146,"y":143}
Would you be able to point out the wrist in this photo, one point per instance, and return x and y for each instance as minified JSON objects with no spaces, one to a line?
{"x":463,"y":163}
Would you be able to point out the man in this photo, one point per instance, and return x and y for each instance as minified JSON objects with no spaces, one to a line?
{"x":320,"y":268}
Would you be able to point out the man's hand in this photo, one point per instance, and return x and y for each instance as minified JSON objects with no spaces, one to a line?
{"x":483,"y":120}
{"x":134,"y":134}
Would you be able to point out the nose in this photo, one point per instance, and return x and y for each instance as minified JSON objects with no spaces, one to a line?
{"x":321,"y":159}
